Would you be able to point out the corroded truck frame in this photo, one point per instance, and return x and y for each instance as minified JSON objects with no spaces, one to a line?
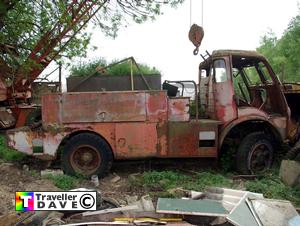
{"x":137,"y":124}
{"x":146,"y":124}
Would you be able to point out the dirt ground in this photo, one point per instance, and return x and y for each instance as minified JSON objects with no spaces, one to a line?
{"x":15,"y":177}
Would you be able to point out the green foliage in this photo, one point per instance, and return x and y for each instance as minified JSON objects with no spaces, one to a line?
{"x":284,"y":53}
{"x":228,"y":156}
{"x":24,"y":22}
{"x":207,"y":179}
{"x":8,"y":154}
{"x":86,"y":69}
{"x":121,"y":69}
{"x":272,"y":187}
{"x":166,"y":179}
{"x":34,"y":173}
{"x":170,"y":179}
{"x":160,"y":184}
{"x":64,"y":182}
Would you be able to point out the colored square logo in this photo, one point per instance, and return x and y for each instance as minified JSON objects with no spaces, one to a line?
{"x":24,"y":201}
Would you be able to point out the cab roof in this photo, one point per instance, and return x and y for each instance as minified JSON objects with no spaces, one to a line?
{"x":237,"y":56}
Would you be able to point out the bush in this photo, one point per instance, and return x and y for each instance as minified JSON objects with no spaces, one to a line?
{"x":122,"y":69}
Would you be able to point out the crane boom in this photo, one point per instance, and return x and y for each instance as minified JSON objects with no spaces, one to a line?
{"x":14,"y":104}
{"x":61,"y":33}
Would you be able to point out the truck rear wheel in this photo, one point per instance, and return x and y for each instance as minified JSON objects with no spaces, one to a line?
{"x":87,"y":154}
{"x":255,"y":154}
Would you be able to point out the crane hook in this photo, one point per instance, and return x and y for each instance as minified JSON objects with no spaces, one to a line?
{"x":196,"y":35}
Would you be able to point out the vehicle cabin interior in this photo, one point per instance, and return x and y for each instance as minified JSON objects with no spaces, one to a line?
{"x":254,"y":86}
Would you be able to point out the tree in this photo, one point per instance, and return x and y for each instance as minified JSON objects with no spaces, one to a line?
{"x":23,"y":23}
{"x":284,"y":53}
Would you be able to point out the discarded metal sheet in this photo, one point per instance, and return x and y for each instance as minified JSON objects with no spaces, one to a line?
{"x":274,"y":212}
{"x":294,"y":221}
{"x":190,"y":207}
{"x":241,"y":214}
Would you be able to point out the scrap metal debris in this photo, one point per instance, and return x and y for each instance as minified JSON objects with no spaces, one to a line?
{"x":213,"y":206}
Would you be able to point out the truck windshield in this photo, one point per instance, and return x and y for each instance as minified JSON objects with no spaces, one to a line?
{"x":251,"y":79}
{"x":257,"y":74}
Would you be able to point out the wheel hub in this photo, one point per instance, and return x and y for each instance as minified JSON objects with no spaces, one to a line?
{"x":87,"y":157}
{"x":260,"y":158}
{"x":85,"y":160}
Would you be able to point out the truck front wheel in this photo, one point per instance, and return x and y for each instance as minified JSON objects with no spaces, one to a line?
{"x":86,"y":154}
{"x":254,"y":154}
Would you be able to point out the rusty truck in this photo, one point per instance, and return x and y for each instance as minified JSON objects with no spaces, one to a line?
{"x":238,"y":104}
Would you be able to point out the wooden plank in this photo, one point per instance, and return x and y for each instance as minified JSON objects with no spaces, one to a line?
{"x":191,"y":207}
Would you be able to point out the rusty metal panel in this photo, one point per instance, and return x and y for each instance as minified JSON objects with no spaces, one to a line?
{"x":103,"y":107}
{"x":211,"y":113}
{"x":225,"y":106}
{"x":183,"y":139}
{"x":136,"y":140}
{"x":162,"y":133}
{"x":24,"y":140}
{"x":51,"y":143}
{"x":22,"y":113}
{"x":51,"y":105}
{"x":156,"y":106}
{"x":179,"y":109}
{"x":20,"y":140}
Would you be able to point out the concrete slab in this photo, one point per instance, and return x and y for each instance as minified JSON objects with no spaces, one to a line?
{"x":290,"y":172}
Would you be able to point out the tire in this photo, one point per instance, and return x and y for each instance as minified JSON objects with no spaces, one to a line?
{"x":254,"y":154}
{"x":87,"y":154}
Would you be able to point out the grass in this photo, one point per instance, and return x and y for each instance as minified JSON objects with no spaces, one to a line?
{"x":272,"y":187}
{"x":64,"y":182}
{"x":161,"y":183}
{"x":8,"y":154}
{"x":122,"y":69}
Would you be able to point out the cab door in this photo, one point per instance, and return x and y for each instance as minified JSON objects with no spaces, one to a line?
{"x":222,"y":85}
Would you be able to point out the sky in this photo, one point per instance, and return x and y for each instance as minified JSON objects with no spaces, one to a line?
{"x":164,"y":43}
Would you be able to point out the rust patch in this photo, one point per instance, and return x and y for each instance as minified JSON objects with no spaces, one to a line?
{"x":156,"y":106}
{"x":179,"y":109}
{"x":141,"y":140}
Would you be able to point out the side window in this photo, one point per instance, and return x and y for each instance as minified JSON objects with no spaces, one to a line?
{"x":220,"y":71}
